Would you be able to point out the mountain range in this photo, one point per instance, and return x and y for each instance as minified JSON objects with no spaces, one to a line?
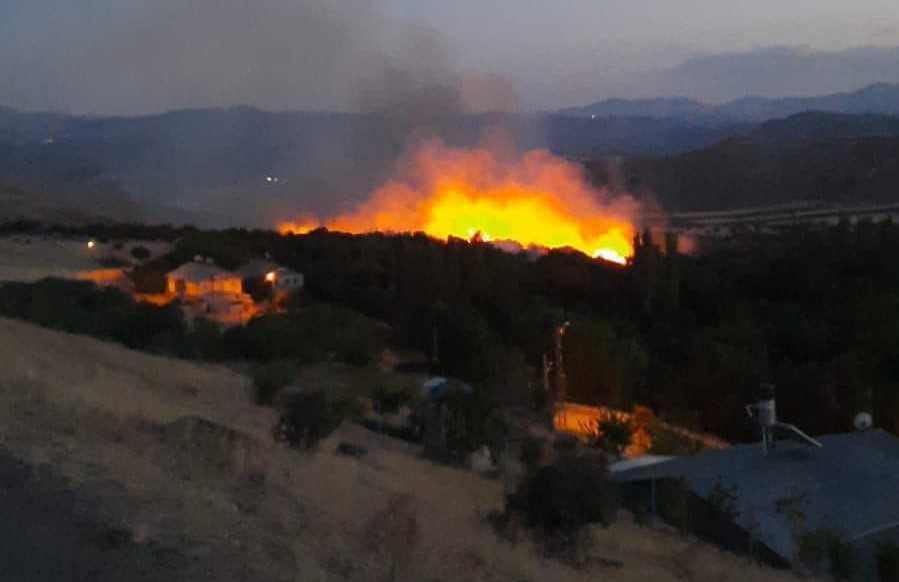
{"x":246,"y":167}
{"x":877,"y":98}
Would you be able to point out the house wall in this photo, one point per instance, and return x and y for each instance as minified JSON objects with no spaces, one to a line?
{"x":231,"y":286}
{"x":288,"y":282}
{"x":198,"y":288}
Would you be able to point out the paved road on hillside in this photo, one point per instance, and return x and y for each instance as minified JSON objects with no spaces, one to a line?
{"x":46,"y":535}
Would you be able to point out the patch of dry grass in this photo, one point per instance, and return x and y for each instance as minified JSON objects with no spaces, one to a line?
{"x":178,"y":453}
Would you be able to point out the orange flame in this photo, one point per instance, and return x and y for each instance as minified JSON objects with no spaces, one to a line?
{"x":535,"y":199}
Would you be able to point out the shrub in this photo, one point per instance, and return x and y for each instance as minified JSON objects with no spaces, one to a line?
{"x":887,"y":558}
{"x":351,"y":449}
{"x":306,"y":418}
{"x":389,"y":401}
{"x":465,"y":421}
{"x":81,"y":307}
{"x":141,"y":253}
{"x":531,"y":451}
{"x":671,"y":501}
{"x":150,"y":277}
{"x":667,"y":442}
{"x":269,"y":379}
{"x":560,"y":500}
{"x":612,"y":434}
{"x":842,"y":559}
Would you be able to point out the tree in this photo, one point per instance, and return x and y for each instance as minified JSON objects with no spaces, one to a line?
{"x":141,"y":253}
{"x":560,"y":500}
{"x":306,"y":418}
{"x":887,"y":558}
{"x":612,"y":434}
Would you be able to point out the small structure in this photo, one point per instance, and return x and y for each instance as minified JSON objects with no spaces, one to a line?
{"x":260,"y":275}
{"x":197,"y":279}
{"x":256,"y":269}
{"x":789,"y":487}
{"x":283,"y":280}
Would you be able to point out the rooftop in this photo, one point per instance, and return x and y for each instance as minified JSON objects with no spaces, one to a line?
{"x":849,"y":484}
{"x":195,"y":271}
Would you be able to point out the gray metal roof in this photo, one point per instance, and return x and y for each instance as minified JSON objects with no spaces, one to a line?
{"x":200,"y":272}
{"x":851,"y":483}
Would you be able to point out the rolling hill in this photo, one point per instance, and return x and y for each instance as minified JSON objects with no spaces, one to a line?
{"x":882,"y":98}
{"x":173,"y":459}
{"x":760,"y":171}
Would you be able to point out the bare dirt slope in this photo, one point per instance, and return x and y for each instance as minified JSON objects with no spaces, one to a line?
{"x":175,"y":455}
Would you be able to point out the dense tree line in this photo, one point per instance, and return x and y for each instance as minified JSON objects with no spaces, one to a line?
{"x":816,"y":311}
{"x":813,"y":310}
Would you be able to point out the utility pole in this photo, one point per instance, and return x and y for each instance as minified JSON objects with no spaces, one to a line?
{"x":561,"y":383}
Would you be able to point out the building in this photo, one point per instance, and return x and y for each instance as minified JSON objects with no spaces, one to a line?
{"x":200,"y":278}
{"x":284,"y":280}
{"x":264,"y":272}
{"x":848,"y":485}
{"x":256,"y":269}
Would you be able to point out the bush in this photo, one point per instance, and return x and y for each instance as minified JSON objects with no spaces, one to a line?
{"x":351,"y":450}
{"x":389,"y":401}
{"x":887,"y":557}
{"x":612,"y":434}
{"x":842,"y":559}
{"x":141,"y":253}
{"x":671,"y":501}
{"x":306,"y":418}
{"x":269,"y":379}
{"x":81,"y":307}
{"x":531,"y":451}
{"x":460,"y":422}
{"x":150,"y":277}
{"x":560,"y":500}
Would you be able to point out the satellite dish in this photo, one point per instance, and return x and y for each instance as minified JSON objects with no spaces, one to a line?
{"x":862,"y":421}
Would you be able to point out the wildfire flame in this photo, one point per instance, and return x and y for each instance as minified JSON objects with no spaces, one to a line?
{"x":535,"y":199}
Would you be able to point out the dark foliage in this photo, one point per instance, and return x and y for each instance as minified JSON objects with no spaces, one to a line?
{"x":81,"y":307}
{"x":270,"y":378}
{"x":887,"y":557}
{"x":559,"y":500}
{"x":351,"y":450}
{"x":813,"y":310}
{"x":612,"y":434}
{"x":306,"y":418}
{"x":141,"y":253}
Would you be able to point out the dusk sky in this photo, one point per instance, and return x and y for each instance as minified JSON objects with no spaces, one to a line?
{"x":139,"y":56}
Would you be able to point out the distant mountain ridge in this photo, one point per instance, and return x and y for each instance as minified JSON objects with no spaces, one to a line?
{"x":212,"y":166}
{"x":879,"y":98}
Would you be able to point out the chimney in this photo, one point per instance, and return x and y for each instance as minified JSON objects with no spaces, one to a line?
{"x":764,"y":412}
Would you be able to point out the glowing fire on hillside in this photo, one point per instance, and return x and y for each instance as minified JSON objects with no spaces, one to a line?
{"x":534,"y":199}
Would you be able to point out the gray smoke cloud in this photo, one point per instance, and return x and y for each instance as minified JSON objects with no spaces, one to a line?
{"x":132,"y":57}
{"x":143,"y":56}
{"x":165,"y":54}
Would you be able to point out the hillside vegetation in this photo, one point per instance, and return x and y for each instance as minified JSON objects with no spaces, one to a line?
{"x":774,"y":167}
{"x":175,"y":456}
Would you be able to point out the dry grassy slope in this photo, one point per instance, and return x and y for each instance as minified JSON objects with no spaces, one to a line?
{"x":131,"y":431}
